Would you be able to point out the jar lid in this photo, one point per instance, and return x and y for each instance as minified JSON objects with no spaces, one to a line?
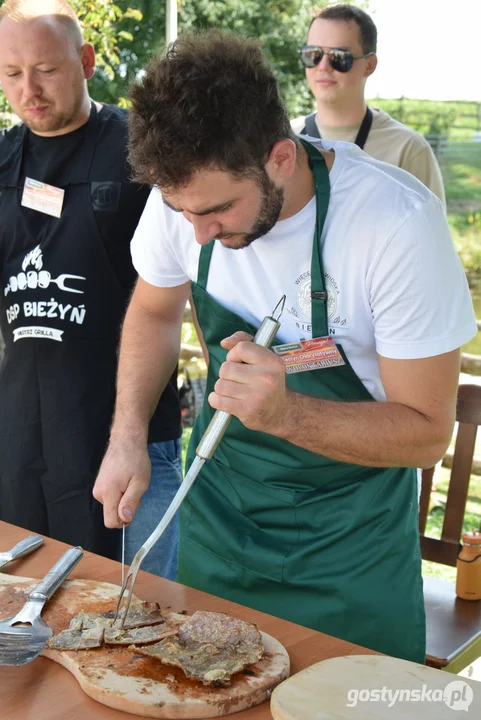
{"x":472,"y":538}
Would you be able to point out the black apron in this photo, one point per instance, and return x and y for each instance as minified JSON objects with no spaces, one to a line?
{"x":57,"y":379}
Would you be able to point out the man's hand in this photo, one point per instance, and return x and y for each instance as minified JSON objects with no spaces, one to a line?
{"x":251,"y":384}
{"x":123,"y":478}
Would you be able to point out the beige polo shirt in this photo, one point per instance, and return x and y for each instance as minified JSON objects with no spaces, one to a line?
{"x":392,"y":142}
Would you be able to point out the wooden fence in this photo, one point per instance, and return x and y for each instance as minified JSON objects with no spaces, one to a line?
{"x":445,"y":149}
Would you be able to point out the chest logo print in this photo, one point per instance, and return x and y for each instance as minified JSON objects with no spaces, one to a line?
{"x":33,"y":277}
{"x":303,"y":297}
{"x":38,"y":278}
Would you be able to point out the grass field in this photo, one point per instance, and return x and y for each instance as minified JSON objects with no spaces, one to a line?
{"x":462,"y":181}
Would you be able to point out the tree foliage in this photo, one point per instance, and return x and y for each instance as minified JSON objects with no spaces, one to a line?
{"x":280,"y":25}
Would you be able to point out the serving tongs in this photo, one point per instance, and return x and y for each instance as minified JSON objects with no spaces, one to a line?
{"x":24,"y":547}
{"x":24,"y":635}
{"x":205,"y":450}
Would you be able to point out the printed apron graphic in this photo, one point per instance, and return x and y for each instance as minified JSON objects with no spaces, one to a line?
{"x":32,"y":276}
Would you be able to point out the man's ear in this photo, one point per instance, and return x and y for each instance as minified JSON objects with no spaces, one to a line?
{"x":282,"y":159}
{"x":371,"y":65}
{"x":88,"y":60}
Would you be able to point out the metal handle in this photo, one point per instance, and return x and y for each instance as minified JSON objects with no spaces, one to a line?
{"x":26,"y":546}
{"x":221,"y":419}
{"x":56,"y":575}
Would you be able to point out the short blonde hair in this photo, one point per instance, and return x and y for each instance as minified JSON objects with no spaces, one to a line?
{"x":60,"y":10}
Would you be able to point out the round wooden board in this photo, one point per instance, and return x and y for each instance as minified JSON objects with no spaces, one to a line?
{"x":331,"y":690}
{"x":119,"y":678}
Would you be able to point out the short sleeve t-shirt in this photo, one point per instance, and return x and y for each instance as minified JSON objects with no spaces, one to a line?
{"x":393,"y":142}
{"x":396,"y":286}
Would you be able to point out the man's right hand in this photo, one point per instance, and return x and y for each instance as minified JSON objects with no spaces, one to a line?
{"x":123,"y":478}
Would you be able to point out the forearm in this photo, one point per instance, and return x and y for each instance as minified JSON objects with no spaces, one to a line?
{"x":373,"y":434}
{"x":149,"y":352}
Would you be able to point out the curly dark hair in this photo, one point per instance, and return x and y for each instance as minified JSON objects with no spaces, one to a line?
{"x":211,"y":101}
{"x":346,"y":13}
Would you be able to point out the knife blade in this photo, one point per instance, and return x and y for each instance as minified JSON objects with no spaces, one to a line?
{"x":24,"y":547}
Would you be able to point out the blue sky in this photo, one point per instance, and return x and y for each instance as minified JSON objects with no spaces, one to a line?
{"x":428,"y":49}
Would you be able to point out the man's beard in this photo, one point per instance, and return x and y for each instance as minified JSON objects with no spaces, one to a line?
{"x":55,"y":121}
{"x":272,"y":200}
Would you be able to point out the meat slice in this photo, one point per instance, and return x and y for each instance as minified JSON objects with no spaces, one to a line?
{"x":146,"y":614}
{"x":219,"y":629}
{"x":77,"y":639}
{"x":149,"y":634}
{"x":87,"y":629}
{"x":210,"y":647}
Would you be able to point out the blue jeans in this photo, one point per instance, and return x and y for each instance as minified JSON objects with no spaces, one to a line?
{"x":165,"y":479}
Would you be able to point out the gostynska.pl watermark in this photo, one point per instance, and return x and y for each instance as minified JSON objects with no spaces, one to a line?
{"x":457,"y":695}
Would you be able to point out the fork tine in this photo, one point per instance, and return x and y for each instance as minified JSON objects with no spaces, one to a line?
{"x":122,"y":593}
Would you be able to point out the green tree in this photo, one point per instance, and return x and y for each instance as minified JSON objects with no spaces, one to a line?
{"x":280,"y":25}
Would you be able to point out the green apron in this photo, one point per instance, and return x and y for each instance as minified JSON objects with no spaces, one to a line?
{"x":329,"y":545}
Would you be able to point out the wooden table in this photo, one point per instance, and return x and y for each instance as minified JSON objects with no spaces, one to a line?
{"x":43,"y":690}
{"x":453,"y":627}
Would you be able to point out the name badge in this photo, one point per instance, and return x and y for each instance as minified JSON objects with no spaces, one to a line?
{"x":44,"y":198}
{"x":315,"y":354}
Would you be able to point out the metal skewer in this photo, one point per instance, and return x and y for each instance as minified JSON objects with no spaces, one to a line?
{"x":205,"y":450}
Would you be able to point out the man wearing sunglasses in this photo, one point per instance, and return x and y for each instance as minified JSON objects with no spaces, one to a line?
{"x":339,"y":56}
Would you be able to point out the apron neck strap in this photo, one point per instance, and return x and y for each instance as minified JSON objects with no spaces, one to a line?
{"x":318,"y":286}
{"x":204,"y":262}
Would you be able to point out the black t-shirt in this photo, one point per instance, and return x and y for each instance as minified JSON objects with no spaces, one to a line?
{"x":117,"y":204}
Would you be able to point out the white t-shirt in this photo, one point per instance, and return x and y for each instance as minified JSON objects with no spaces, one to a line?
{"x":395,"y":283}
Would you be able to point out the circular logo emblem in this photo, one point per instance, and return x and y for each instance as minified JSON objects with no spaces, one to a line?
{"x":303,"y":298}
{"x":331,"y":298}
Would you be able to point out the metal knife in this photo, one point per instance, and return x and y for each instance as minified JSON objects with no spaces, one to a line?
{"x":24,"y":547}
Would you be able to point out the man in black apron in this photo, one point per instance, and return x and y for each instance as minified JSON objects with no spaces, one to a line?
{"x":339,"y":56}
{"x":68,"y":211}
{"x":308,"y":509}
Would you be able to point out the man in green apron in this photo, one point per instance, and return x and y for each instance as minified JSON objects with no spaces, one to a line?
{"x":308,"y":509}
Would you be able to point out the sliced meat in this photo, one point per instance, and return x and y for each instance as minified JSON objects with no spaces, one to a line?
{"x":77,"y":639}
{"x":219,"y":629}
{"x":86,"y":629}
{"x":148,"y":614}
{"x":87,"y":620}
{"x":210,"y":647}
{"x":145,"y":614}
{"x":152,"y":633}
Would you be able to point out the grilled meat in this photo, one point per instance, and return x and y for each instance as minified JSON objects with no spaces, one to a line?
{"x":210,"y":647}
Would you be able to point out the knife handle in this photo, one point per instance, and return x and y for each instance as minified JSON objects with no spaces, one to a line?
{"x":26,"y":546}
{"x":221,"y":419}
{"x":56,"y":575}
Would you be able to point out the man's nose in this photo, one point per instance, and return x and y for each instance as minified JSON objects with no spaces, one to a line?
{"x":325,"y":65}
{"x":204,"y":228}
{"x":31,"y":87}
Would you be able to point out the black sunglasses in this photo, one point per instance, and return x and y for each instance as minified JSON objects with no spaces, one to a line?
{"x":340,"y":60}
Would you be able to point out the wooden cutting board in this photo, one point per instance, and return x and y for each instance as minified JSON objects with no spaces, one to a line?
{"x":137,"y":684}
{"x":351,"y":688}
